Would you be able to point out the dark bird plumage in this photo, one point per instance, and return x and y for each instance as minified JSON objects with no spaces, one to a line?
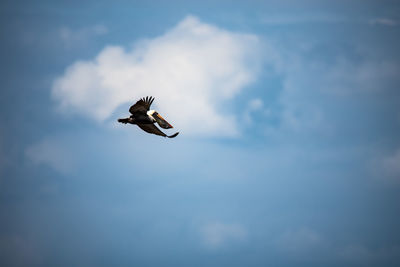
{"x":145,"y":118}
{"x":141,"y":106}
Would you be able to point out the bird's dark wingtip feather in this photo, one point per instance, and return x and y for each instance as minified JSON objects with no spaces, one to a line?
{"x":174,"y":135}
{"x":148,"y":100}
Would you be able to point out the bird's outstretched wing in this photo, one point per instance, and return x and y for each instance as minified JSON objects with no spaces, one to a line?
{"x":151,"y":128}
{"x":141,"y":106}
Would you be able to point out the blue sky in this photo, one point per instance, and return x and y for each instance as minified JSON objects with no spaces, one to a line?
{"x":289,"y":120}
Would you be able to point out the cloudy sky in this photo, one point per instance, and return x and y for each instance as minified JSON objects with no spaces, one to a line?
{"x":289,"y":120}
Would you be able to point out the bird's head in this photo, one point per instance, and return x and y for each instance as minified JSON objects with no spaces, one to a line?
{"x":159,"y":119}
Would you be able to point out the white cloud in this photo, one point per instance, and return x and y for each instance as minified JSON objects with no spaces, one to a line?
{"x":217,"y":234}
{"x":52,"y":153}
{"x":192,"y":70}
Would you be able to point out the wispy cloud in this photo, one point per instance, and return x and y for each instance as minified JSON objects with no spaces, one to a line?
{"x":363,"y":254}
{"x":305,"y":79}
{"x":218,"y":234}
{"x":299,"y":241}
{"x":282,"y":20}
{"x":391,"y":166}
{"x":7,"y":153}
{"x":52,"y":153}
{"x":16,"y":250}
{"x":72,"y":37}
{"x":384,"y":22}
{"x":301,"y":19}
{"x":254,"y":105}
{"x":3,"y":158}
{"x":192,"y":70}
{"x":308,"y":244}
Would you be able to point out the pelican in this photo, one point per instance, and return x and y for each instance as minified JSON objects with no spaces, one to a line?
{"x":145,"y":118}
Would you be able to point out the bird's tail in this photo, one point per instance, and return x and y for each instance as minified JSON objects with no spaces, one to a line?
{"x":174,"y":135}
{"x":123,"y":120}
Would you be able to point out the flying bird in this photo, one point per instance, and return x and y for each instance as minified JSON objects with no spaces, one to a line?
{"x":145,"y":118}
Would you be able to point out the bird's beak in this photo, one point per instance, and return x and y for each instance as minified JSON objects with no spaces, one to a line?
{"x":162,"y":122}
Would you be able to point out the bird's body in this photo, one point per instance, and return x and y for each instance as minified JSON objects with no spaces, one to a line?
{"x":145,"y":118}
